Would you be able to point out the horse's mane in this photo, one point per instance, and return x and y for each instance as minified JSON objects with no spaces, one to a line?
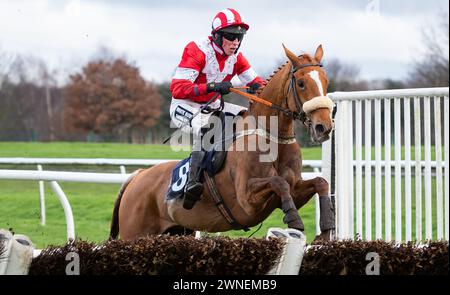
{"x":304,"y":55}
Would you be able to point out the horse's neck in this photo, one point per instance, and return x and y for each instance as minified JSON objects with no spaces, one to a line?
{"x":275,"y":92}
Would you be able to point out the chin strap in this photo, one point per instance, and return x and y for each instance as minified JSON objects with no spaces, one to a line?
{"x":217,"y":39}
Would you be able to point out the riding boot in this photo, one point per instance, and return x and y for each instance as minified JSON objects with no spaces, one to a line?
{"x":194,"y":186}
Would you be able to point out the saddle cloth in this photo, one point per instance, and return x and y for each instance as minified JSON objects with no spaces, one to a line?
{"x":179,"y":179}
{"x":212,"y":163}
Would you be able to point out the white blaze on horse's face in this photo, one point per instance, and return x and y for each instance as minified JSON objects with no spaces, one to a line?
{"x":315,"y":76}
{"x":318,"y":108}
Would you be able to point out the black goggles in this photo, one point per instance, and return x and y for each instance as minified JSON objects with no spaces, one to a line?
{"x":232,"y":36}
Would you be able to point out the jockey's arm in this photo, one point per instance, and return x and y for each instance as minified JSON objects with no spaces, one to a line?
{"x":184,"y":83}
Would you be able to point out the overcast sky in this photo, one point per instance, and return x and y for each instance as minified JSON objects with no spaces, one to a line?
{"x":381,"y":37}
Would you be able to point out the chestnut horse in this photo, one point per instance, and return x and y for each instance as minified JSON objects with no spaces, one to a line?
{"x":251,"y":189}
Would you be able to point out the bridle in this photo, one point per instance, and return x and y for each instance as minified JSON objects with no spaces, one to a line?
{"x":300,"y":114}
{"x":303,"y":109}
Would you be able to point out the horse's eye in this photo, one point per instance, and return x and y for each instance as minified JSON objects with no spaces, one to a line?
{"x":301,"y":84}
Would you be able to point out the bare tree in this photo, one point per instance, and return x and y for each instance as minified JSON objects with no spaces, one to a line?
{"x":432,"y":66}
{"x":343,"y":76}
{"x":6,"y":61}
{"x":48,"y":81}
{"x":25,"y":94}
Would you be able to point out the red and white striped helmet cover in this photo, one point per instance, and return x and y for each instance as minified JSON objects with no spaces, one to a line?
{"x":226,"y":18}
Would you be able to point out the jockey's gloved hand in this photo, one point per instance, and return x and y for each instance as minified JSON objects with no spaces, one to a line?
{"x":221,"y":87}
{"x":252,"y":88}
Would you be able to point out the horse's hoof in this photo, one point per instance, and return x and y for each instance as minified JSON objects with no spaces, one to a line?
{"x":298,"y":225}
{"x":293,"y":220}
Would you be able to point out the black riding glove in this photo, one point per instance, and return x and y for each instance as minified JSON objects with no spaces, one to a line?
{"x":252,"y":88}
{"x":221,"y":87}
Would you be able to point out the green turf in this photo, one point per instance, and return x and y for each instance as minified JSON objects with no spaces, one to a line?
{"x":91,"y":203}
{"x":106,"y":150}
{"x":87,"y":150}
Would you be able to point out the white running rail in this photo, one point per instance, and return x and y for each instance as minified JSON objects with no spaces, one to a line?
{"x":411,"y":123}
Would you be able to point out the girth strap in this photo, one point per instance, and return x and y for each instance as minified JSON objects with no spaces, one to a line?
{"x":220,"y":204}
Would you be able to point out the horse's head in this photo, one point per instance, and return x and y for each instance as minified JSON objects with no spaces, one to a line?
{"x":306,"y":94}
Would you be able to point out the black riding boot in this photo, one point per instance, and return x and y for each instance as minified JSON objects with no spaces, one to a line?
{"x":194,"y":186}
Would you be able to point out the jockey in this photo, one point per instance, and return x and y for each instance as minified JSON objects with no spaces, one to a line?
{"x":206,"y":68}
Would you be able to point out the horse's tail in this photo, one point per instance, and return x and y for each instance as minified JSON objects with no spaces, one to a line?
{"x":114,"y":232}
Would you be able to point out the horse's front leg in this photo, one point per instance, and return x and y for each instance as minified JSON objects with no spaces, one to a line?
{"x":261,"y":189}
{"x":304,"y":190}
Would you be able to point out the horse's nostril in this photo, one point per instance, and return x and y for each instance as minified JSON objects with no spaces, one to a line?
{"x":320,"y":128}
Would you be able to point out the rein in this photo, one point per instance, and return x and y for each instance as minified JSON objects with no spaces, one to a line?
{"x":263,"y":101}
{"x":300,"y":114}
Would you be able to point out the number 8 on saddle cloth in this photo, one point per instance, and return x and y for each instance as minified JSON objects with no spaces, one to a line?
{"x":213,"y":161}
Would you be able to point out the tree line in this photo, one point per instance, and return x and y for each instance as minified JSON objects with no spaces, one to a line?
{"x":109,"y":100}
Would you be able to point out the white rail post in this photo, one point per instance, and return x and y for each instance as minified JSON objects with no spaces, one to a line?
{"x":368,"y":168}
{"x":67,"y":209}
{"x":408,"y":207}
{"x":446,"y":168}
{"x":418,"y":167}
{"x":41,"y":197}
{"x":378,"y":176}
{"x":398,"y":171}
{"x":438,"y":149}
{"x":342,"y":162}
{"x":387,"y":171}
{"x":122,"y":169}
{"x":428,"y":196}
{"x":350,"y":174}
{"x":358,"y":169}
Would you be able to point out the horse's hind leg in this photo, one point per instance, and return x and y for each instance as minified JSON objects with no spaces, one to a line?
{"x":304,"y":190}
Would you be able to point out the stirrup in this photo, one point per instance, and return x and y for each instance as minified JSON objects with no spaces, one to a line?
{"x":192,"y":194}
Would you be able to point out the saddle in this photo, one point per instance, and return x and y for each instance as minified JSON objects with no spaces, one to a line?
{"x":212,"y":164}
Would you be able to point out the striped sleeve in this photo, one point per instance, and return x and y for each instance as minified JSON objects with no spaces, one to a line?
{"x":183,"y":84}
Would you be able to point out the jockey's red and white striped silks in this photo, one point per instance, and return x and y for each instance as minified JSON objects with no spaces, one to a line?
{"x":204,"y":62}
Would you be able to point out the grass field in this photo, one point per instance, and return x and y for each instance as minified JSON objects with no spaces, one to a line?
{"x":91,"y":203}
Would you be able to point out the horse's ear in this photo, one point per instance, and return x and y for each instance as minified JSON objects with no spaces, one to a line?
{"x":319,"y":53}
{"x":290,"y":55}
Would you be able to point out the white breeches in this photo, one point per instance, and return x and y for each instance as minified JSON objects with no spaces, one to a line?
{"x":181,"y":111}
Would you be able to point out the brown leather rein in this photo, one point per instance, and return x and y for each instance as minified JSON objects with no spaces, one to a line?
{"x":296,"y":115}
